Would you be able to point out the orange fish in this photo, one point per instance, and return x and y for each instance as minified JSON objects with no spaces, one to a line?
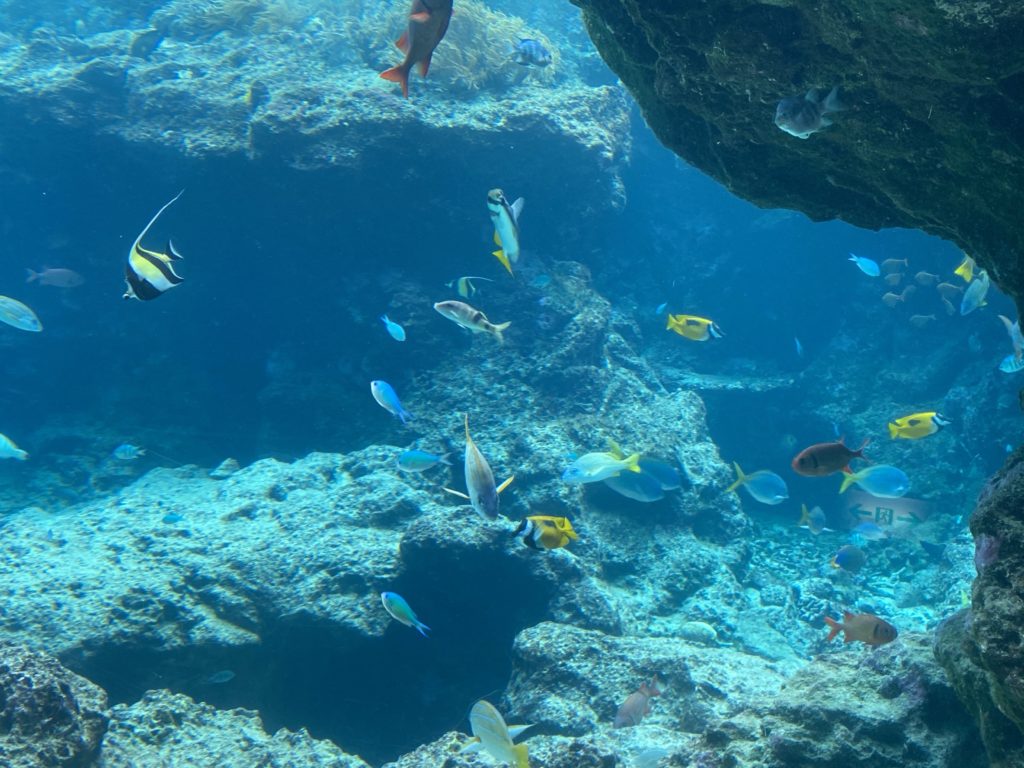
{"x":427,"y":26}
{"x":825,"y":458}
{"x":637,"y":704}
{"x":865,"y":627}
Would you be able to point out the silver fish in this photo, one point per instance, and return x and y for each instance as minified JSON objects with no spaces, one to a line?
{"x":483,"y":495}
{"x":801,"y":116}
{"x":470,"y":318}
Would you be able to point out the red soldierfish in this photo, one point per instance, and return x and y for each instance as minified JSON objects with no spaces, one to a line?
{"x":825,"y":458}
{"x":865,"y":627}
{"x":59,"y":277}
{"x":637,"y":705}
{"x":428,"y":21}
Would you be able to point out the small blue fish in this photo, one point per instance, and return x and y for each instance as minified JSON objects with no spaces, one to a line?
{"x":866,"y":265}
{"x":400,"y":611}
{"x":172,"y":517}
{"x":764,"y":486}
{"x":880,"y":480}
{"x":870,"y":531}
{"x":385,"y":396}
{"x":219,"y":678}
{"x":799,"y":347}
{"x":530,"y":52}
{"x":660,"y":309}
{"x":1011,"y":364}
{"x":420,"y":461}
{"x":397,"y":332}
{"x":128,"y":452}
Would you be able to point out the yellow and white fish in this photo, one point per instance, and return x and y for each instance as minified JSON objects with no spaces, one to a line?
{"x":546,"y":532}
{"x":483,"y":494}
{"x":464,"y":285}
{"x":506,"y":227}
{"x":693,"y":327}
{"x":148,"y":274}
{"x":494,"y":737}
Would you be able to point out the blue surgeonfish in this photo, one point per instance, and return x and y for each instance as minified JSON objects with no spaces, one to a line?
{"x":400,"y":611}
{"x":18,"y":315}
{"x":483,"y":494}
{"x":868,"y":266}
{"x":506,"y":227}
{"x":394,"y":330}
{"x":491,"y":735}
{"x":386,"y":397}
{"x":881,"y":480}
{"x":764,"y":486}
{"x":148,"y":273}
{"x":655,"y":477}
{"x":975,"y":294}
{"x":8,"y":450}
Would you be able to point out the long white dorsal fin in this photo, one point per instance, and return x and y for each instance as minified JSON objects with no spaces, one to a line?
{"x":460,"y":494}
{"x":515,"y":730}
{"x":517,"y":208}
{"x":152,"y":221}
{"x":473,"y":745}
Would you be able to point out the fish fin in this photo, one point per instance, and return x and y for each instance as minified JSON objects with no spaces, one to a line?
{"x":497,"y":238}
{"x":172,"y":252}
{"x":633,"y":463}
{"x":506,"y":484}
{"x":522,"y":756}
{"x":825,"y":122}
{"x":517,"y":208}
{"x":860,"y":451}
{"x":456,"y":493}
{"x":31,"y":276}
{"x":424,"y":65}
{"x":398,"y":75}
{"x":152,"y":221}
{"x":421,"y":627}
{"x":615,"y":449}
{"x":740,"y":478}
{"x":500,"y":256}
{"x":473,"y":745}
{"x":835,"y":626}
{"x":444,"y":459}
{"x":893,"y":430}
{"x":402,"y":43}
{"x":521,"y":527}
{"x":848,"y":480}
{"x":805,"y":516}
{"x":498,"y":331}
{"x":832,"y":102}
{"x":515,"y":730}
{"x":420,"y":18}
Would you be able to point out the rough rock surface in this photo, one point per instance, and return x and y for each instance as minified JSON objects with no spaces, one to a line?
{"x":982,"y":649}
{"x":49,"y":716}
{"x":931,"y":138}
{"x":166,"y":729}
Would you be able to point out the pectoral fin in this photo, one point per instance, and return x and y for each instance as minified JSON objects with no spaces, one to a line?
{"x":504,"y":485}
{"x":457,"y":493}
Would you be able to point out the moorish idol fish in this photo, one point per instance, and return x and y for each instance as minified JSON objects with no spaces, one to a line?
{"x":149,"y":273}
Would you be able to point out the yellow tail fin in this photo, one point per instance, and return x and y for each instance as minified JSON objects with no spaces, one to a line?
{"x":615,"y":449}
{"x":805,"y":516}
{"x":522,"y":756}
{"x":848,"y":480}
{"x":893,"y":430}
{"x":740,"y":478}
{"x":633,"y":463}
{"x":500,"y":256}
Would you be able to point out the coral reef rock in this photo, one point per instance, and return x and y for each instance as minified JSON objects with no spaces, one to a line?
{"x":981,"y":647}
{"x":915,"y":146}
{"x":170,"y":729}
{"x":49,"y":716}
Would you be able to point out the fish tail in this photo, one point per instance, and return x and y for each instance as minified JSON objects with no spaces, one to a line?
{"x":633,"y":463}
{"x":832,"y":102}
{"x":860,"y":451}
{"x":400,"y":75}
{"x":421,"y":627}
{"x":522,"y":756}
{"x":740,"y":478}
{"x":893,"y":430}
{"x":444,"y":460}
{"x":501,"y":327}
{"x":805,"y":516}
{"x":848,"y":480}
{"x":31,"y":275}
{"x":503,"y":258}
{"x":835,"y":626}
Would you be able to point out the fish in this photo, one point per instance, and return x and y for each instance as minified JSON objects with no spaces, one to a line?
{"x":949,"y":291}
{"x":849,"y":558}
{"x":926,"y":278}
{"x":880,"y":480}
{"x":396,"y":331}
{"x":948,"y":306}
{"x":420,"y":461}
{"x":823,"y":459}
{"x":637,"y":705}
{"x":172,"y":517}
{"x":799,"y":347}
{"x":637,"y":486}
{"x":693,"y":327}
{"x":891,"y":299}
{"x":660,"y":309}
{"x":801,"y":116}
{"x":219,"y":678}
{"x":865,"y":627}
{"x":764,"y":486}
{"x":917,"y":425}
{"x":464,"y":285}
{"x":966,"y":269}
{"x":893,"y":265}
{"x":545,"y":532}
{"x":505,"y":218}
{"x":18,"y":315}
{"x":814,"y":521}
{"x":428,"y":23}
{"x":666,"y":474}
{"x":8,"y":450}
{"x":400,"y":611}
{"x":483,"y":495}
{"x":1016,"y":339}
{"x":1012,"y":364}
{"x":870,"y":531}
{"x":56,"y":276}
{"x":490,"y":734}
{"x":974,"y":296}
{"x":386,"y":397}
{"x":128,"y":452}
{"x":149,"y":274}
{"x":868,"y":266}
{"x":471,"y":319}
{"x":920,"y":321}
{"x":529,"y":52}
{"x":597,"y":466}
{"x":894,"y":279}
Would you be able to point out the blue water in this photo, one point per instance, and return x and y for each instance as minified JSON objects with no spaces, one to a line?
{"x":268,"y":347}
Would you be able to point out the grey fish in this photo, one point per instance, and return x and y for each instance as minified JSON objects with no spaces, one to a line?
{"x":531,"y":52}
{"x":483,"y":494}
{"x":801,"y":116}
